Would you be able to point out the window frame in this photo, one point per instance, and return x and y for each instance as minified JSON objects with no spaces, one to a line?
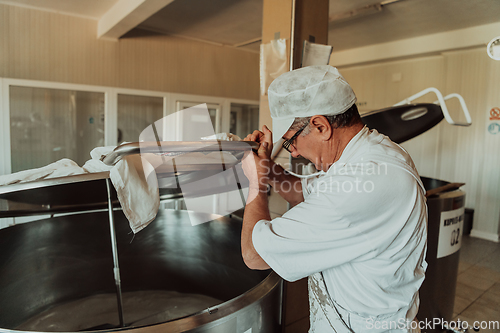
{"x":170,"y":102}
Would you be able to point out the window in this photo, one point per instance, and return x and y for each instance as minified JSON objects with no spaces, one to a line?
{"x":213,"y":109}
{"x":135,"y":113}
{"x":244,"y":119}
{"x":49,"y":124}
{"x":43,"y":122}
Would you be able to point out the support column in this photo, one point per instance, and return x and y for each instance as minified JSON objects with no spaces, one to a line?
{"x":296,"y":21}
{"x":292,"y":19}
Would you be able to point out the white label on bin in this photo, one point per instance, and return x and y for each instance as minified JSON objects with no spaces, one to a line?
{"x":450,"y":232}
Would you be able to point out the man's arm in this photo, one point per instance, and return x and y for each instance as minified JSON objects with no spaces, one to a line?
{"x":257,"y":170}
{"x":256,"y":209}
{"x":260,"y":171}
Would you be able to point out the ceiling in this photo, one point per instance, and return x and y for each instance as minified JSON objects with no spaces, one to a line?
{"x":239,"y":22}
{"x":93,"y":9}
{"x":221,"y":21}
{"x":409,"y":18}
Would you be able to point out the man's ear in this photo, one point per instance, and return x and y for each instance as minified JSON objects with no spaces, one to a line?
{"x":322,"y":126}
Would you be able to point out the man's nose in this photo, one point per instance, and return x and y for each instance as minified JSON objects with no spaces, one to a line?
{"x":295,"y":153}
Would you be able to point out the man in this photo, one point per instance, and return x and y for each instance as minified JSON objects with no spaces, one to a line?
{"x":357,"y":229}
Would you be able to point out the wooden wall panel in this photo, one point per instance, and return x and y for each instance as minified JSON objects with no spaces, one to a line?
{"x":491,"y":151}
{"x":461,"y":148}
{"x":469,"y":154}
{"x":455,"y":154}
{"x":487,"y":146}
{"x":47,"y":46}
{"x":376,"y":88}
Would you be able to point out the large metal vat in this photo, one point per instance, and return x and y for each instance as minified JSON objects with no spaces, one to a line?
{"x":58,"y":260}
{"x":445,"y":230}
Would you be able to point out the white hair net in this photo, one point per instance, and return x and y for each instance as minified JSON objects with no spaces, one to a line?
{"x":305,"y":92}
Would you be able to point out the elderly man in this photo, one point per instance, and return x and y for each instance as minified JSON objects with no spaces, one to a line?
{"x":357,"y":228}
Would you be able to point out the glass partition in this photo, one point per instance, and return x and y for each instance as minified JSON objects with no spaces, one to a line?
{"x":49,"y":121}
{"x":135,"y":113}
{"x":49,"y":124}
{"x":214,"y":110}
{"x":244,"y":119}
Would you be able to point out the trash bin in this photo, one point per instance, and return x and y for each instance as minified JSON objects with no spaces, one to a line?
{"x":445,"y":229}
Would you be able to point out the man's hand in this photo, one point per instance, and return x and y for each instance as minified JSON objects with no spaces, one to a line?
{"x":260,"y":170}
{"x":260,"y":137}
{"x":257,"y":166}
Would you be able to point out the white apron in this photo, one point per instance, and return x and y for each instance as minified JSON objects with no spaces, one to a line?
{"x":326,"y":316}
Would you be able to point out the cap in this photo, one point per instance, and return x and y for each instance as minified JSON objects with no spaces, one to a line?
{"x":305,"y":92}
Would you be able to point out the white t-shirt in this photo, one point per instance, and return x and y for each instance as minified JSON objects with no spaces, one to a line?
{"x":362,"y":224}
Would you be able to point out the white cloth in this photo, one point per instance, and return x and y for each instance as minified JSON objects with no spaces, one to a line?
{"x":136,"y":185}
{"x":273,"y":62}
{"x":99,"y":152}
{"x":362,"y":224}
{"x":95,"y":164}
{"x":137,"y":189}
{"x":133,"y":178}
{"x":222,"y":137}
{"x":63,"y":167}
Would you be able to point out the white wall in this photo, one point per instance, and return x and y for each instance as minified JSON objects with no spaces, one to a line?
{"x":46,"y":46}
{"x":455,"y":154}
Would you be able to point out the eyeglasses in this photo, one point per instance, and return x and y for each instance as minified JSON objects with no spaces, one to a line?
{"x":287,"y":143}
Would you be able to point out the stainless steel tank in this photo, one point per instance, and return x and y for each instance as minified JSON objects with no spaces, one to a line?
{"x":54,"y":261}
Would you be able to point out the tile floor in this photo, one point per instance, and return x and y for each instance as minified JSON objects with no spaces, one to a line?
{"x":478,"y":286}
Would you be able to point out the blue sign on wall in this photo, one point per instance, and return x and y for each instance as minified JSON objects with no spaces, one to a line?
{"x":494,"y":128}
